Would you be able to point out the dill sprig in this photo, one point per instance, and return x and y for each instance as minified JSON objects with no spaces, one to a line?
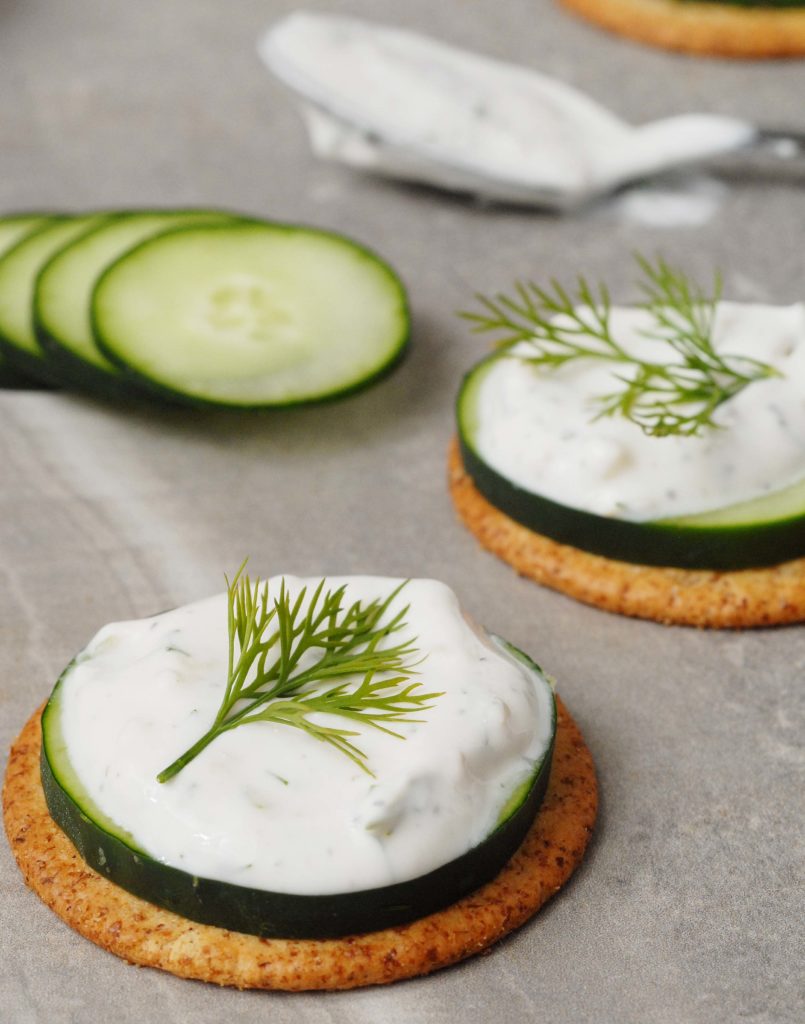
{"x":676,"y":395}
{"x":281,"y":652}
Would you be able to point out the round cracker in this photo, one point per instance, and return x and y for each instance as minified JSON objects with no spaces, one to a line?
{"x":715,"y":29}
{"x":686,"y":597}
{"x":148,"y":935}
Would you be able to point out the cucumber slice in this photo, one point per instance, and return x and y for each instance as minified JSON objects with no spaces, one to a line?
{"x":64,"y":290}
{"x":251,"y":314}
{"x":762,"y":532}
{"x":12,"y":230}
{"x":12,"y":379}
{"x":16,"y":226}
{"x":113,"y":853}
{"x":19,"y":268}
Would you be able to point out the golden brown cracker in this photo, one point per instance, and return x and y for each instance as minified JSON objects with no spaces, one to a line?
{"x":689,"y":597}
{"x":148,"y":935}
{"x":715,"y":29}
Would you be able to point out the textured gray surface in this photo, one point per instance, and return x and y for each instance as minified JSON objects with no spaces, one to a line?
{"x":686,"y":908}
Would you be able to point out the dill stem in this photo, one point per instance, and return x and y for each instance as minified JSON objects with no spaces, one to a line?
{"x":192,"y":752}
{"x":344,"y":642}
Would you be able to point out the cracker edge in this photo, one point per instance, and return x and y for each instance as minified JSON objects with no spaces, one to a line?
{"x":144,"y":934}
{"x":684,"y":597}
{"x":706,"y":29}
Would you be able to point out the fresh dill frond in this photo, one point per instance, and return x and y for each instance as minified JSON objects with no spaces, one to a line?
{"x":282,"y":651}
{"x":673,"y":396}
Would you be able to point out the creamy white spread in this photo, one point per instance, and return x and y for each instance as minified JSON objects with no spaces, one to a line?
{"x":404,"y":105}
{"x":270,"y":807}
{"x":536,"y":427}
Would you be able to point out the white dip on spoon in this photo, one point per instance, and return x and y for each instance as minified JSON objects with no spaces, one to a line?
{"x":407,"y":106}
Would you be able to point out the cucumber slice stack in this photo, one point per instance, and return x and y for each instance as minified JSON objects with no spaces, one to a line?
{"x":197,"y":306}
{"x":12,"y":230}
{"x":64,"y":286}
{"x":19,"y":268}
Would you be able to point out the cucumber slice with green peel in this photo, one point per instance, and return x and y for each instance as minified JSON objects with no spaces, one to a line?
{"x":765,"y":531}
{"x":112,"y":852}
{"x":13,"y":229}
{"x":251,"y":314}
{"x":12,"y":379}
{"x":64,"y":286}
{"x":16,"y":226}
{"x":19,"y":268}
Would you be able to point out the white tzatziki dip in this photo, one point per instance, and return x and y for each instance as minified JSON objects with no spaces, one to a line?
{"x":270,"y":807}
{"x":537,"y":427}
{"x":400,"y":104}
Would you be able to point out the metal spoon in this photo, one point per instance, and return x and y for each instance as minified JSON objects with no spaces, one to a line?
{"x":405,"y":106}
